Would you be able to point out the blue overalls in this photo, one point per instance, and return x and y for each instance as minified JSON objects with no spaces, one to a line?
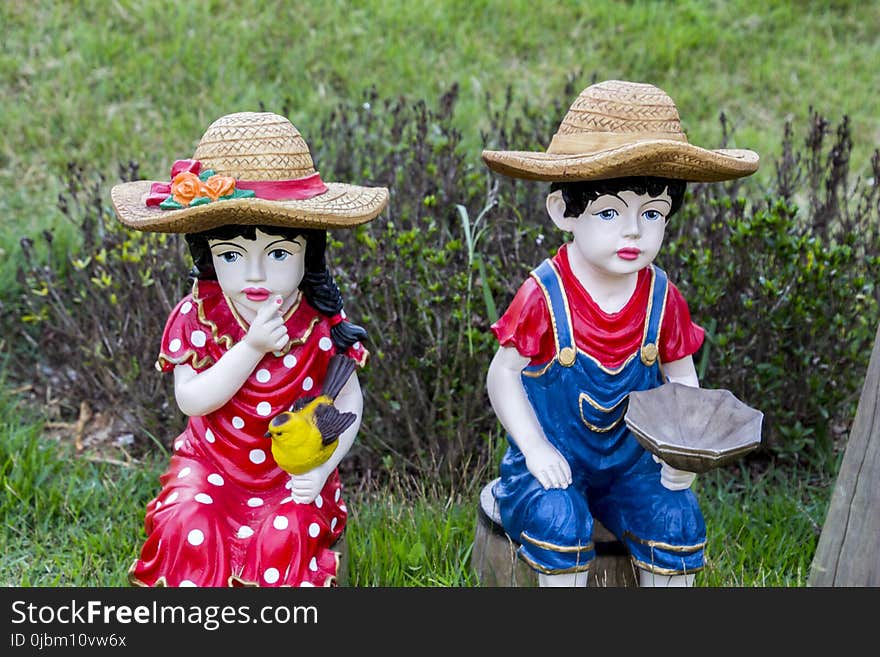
{"x":580,"y":405}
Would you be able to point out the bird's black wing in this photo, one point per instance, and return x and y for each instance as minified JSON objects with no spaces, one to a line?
{"x":300,"y":404}
{"x":330,"y":422}
{"x":339,"y":370}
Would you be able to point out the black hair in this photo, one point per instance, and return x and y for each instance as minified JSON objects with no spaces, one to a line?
{"x":317,"y":285}
{"x":579,"y":194}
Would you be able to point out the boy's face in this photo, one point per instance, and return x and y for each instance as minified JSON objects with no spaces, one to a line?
{"x":617,"y":234}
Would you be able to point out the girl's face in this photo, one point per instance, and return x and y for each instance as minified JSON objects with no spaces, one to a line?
{"x":617,"y":234}
{"x":250,"y":272}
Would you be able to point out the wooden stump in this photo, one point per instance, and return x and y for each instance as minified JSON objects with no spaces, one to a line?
{"x":495,"y":563}
{"x":848,"y":553}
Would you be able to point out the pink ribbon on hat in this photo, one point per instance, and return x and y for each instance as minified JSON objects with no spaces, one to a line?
{"x":295,"y":189}
{"x":298,"y":189}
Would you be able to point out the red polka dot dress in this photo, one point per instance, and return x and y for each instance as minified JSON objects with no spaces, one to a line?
{"x":225,"y":515}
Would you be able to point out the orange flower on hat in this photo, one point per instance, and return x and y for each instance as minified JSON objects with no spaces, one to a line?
{"x":186,"y":186}
{"x":217,"y":186}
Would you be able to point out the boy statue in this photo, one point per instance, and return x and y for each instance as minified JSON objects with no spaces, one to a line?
{"x":591,"y":324}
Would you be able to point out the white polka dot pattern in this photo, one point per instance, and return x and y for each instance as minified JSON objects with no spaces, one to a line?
{"x":227,"y":454}
{"x":198,"y":338}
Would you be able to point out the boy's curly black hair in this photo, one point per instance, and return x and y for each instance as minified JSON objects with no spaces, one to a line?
{"x":577,"y":195}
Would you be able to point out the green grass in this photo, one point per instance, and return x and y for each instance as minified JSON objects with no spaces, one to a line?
{"x":762,"y":529}
{"x":67,"y":521}
{"x":411,"y":536}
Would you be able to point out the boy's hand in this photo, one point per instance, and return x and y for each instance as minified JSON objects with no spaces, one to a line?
{"x":268,"y":332}
{"x":548,"y":466}
{"x":674,"y":479}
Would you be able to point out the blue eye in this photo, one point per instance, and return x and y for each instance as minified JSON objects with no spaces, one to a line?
{"x":278,"y":254}
{"x":230,"y":256}
{"x":652,"y":215}
{"x":607,"y":215}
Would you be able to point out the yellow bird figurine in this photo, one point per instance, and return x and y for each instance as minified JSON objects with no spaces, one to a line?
{"x":305,"y":436}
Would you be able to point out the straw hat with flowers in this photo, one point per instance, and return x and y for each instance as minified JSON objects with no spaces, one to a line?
{"x":616,"y":129}
{"x":248,"y":168}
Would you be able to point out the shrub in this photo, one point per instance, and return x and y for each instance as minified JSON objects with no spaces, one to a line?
{"x":423,"y":280}
{"x":93,"y":316}
{"x":786,"y":294}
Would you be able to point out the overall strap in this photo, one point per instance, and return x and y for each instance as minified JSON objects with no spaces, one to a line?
{"x":654,"y":316}
{"x":548,"y":279}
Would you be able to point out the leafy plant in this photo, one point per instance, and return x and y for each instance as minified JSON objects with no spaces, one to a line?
{"x":785,"y":283}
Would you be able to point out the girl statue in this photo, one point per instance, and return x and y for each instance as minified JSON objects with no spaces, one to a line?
{"x":256,"y":333}
{"x":591,"y":324}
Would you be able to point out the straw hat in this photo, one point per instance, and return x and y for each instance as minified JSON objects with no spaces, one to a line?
{"x":616,"y":129}
{"x":263,"y":175}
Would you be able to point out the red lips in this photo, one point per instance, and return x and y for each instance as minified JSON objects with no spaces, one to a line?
{"x":629,"y":253}
{"x":257,"y":293}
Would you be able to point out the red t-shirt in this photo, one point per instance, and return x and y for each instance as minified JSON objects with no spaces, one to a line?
{"x":609,"y":337}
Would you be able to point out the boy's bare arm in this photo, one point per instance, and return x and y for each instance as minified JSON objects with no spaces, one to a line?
{"x":678,"y":371}
{"x":512,"y":406}
{"x":682,"y":371}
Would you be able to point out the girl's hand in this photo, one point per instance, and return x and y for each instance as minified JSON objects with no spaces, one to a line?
{"x":306,"y":487}
{"x":268,"y":332}
{"x":548,"y":466}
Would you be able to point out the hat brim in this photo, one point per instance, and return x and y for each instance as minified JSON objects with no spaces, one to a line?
{"x":341,"y":206}
{"x":663,"y":158}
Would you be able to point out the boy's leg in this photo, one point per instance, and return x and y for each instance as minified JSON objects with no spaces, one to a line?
{"x":553,"y":527}
{"x":566,"y":580}
{"x":663,"y":530}
{"x":649,"y":579}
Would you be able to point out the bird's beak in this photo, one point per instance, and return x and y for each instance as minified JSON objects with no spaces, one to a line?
{"x":268,"y":434}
